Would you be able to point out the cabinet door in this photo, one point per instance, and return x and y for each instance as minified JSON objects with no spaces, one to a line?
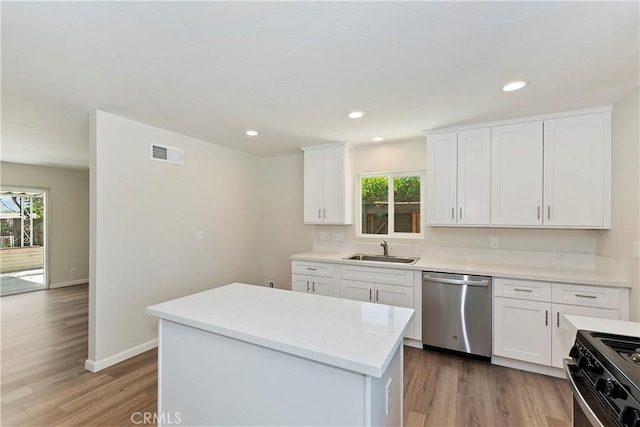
{"x":575,"y":158}
{"x":333,"y":197}
{"x":351,"y":289}
{"x":300,"y":283}
{"x":562,"y":341}
{"x":474,"y":177}
{"x":399,"y":296}
{"x":522,"y":330}
{"x":442,"y":178}
{"x":313,"y":186}
{"x":323,"y":286}
{"x":516,"y":174}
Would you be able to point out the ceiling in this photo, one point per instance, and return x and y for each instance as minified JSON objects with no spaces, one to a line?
{"x":293,"y":70}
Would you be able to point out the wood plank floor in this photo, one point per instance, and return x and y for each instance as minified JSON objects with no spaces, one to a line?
{"x":44,"y":383}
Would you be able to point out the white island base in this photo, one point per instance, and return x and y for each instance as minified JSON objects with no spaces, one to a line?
{"x":213,"y":373}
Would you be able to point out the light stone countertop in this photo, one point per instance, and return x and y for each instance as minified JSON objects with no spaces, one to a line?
{"x":353,"y":335}
{"x":596,"y":277}
{"x":619,"y":327}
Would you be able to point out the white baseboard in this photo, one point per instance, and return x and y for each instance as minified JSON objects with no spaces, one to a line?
{"x":98,"y":365}
{"x":71,"y":283}
{"x":410,"y":342}
{"x":527,"y":366}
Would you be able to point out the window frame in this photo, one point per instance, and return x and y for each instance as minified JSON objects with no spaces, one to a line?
{"x":391,"y":233}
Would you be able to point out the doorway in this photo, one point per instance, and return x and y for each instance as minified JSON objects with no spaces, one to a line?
{"x":23,"y":240}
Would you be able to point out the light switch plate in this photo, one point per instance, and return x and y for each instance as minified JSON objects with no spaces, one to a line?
{"x":322,"y":235}
{"x":494,"y":242}
{"x":338,"y":237}
{"x":636,"y":249}
{"x":199,"y":235}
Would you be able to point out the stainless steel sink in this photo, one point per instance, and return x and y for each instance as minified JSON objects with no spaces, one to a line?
{"x":382,"y":258}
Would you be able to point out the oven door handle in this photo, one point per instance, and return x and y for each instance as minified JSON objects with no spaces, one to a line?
{"x":593,"y":418}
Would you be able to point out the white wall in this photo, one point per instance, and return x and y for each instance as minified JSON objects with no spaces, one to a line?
{"x":68,"y":216}
{"x":281,"y":213}
{"x":617,"y":243}
{"x":144,"y":216}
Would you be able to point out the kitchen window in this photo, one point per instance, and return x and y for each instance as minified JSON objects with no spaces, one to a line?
{"x":390,"y":204}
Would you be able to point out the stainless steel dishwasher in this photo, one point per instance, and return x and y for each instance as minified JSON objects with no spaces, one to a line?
{"x":456,"y":313}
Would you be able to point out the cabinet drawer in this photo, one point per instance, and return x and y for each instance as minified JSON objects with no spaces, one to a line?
{"x":588,"y":296}
{"x":522,"y":289}
{"x":377,"y":275}
{"x":312,"y":268}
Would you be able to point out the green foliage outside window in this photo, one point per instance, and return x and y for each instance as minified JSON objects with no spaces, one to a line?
{"x":406,"y":188}
{"x":376,"y":189}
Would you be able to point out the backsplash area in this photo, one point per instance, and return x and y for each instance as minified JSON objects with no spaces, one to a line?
{"x":545,"y":259}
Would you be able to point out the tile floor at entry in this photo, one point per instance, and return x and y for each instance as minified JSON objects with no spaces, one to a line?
{"x":21,"y":281}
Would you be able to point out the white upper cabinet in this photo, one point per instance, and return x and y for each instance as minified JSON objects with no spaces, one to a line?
{"x":474,"y":177}
{"x":442,"y":178}
{"x":516,"y":174}
{"x":576,"y":158}
{"x":328,"y":184}
{"x":458,"y":178}
{"x":544,"y":171}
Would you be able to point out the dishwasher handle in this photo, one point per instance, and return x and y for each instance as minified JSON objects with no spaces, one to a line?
{"x":456,"y":279}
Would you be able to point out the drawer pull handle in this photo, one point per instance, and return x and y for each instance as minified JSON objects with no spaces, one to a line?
{"x":558,"y":319}
{"x":312,"y":269}
{"x":586,"y":296}
{"x":319,"y":213}
{"x":538,"y":212}
{"x":307,"y":286}
{"x":549,"y":212}
{"x":453,"y":212}
{"x":522,"y":290}
{"x":370,"y":294}
{"x":314,"y":287}
{"x":377,"y":299}
{"x":460,"y":212}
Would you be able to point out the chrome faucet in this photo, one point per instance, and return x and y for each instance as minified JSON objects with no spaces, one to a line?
{"x":385,"y":247}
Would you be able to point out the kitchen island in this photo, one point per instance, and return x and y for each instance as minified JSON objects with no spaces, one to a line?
{"x":249,"y":355}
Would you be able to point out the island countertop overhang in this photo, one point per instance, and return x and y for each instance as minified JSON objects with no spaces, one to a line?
{"x":353,"y":335}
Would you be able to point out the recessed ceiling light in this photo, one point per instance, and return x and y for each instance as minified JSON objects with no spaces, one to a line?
{"x":514,"y":86}
{"x":251,"y":133}
{"x":355,"y":114}
{"x":377,"y":138}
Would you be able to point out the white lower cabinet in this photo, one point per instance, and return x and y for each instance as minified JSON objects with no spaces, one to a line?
{"x":560,"y":344}
{"x":521,"y":330}
{"x":314,"y":277}
{"x":398,"y":296}
{"x":527,"y":317}
{"x":314,"y":284}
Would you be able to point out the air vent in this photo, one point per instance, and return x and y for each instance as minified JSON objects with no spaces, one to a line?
{"x":162,"y":153}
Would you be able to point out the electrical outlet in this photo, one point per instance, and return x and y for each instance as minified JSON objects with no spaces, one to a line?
{"x":199,"y":235}
{"x":387,"y":407}
{"x":72,"y":271}
{"x":636,"y":249}
{"x":338,"y":237}
{"x":322,"y":235}
{"x":494,"y":242}
{"x":272,"y":284}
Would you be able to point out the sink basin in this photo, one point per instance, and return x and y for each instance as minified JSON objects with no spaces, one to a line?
{"x":382,"y":258}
